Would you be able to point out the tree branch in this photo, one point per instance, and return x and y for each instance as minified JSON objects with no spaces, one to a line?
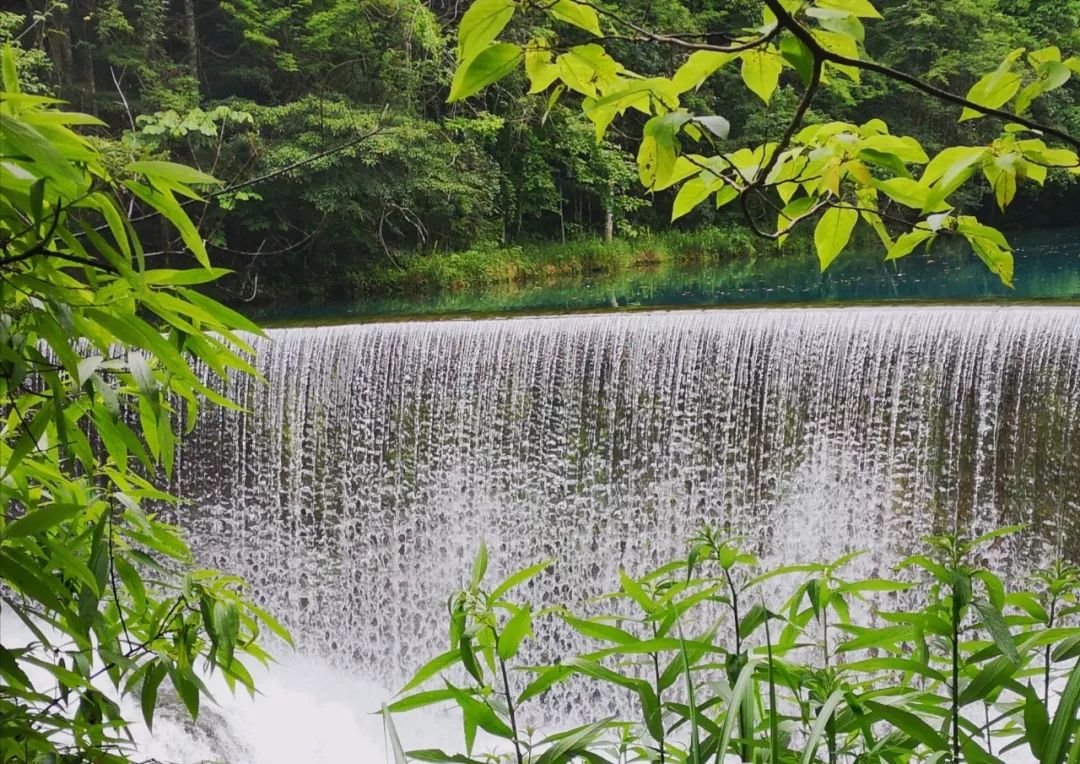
{"x":788,"y":21}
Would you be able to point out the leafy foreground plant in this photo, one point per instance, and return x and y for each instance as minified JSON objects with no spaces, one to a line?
{"x":712,"y":669}
{"x":95,"y":349}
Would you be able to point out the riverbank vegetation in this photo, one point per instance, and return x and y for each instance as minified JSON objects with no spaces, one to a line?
{"x":535,"y":263}
{"x":341,"y":109}
{"x":946,"y":662}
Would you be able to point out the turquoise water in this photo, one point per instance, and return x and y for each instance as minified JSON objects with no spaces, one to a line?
{"x":1047,"y":270}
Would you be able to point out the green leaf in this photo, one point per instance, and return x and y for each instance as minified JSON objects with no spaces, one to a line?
{"x":861,"y":8}
{"x":907,"y":243}
{"x":517,"y":579}
{"x":489,"y":66}
{"x":992,"y":678}
{"x":540,"y":67}
{"x":420,"y":700}
{"x":905,"y":148}
{"x":517,"y":628}
{"x":391,"y":732}
{"x":740,"y":694}
{"x":480,"y":713}
{"x":1036,"y":721}
{"x":817,"y":732}
{"x":658,"y":152}
{"x":995,"y":89}
{"x":42,"y":519}
{"x":11,"y":76}
{"x":480,"y":565}
{"x":546,"y":679}
{"x":171,"y":171}
{"x":693,"y":192}
{"x":701,"y":65}
{"x":148,"y":692}
{"x":990,"y":246}
{"x":581,"y":16}
{"x":636,"y":592}
{"x":480,"y":25}
{"x":833,"y":232}
{"x":1066,"y":720}
{"x":165,"y":203}
{"x":601,"y":631}
{"x":909,"y":724}
{"x":431,"y":668}
{"x":761,"y":72}
{"x":798,"y":55}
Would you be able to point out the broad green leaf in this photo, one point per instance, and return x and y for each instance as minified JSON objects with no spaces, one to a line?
{"x":715,"y":124}
{"x":693,"y":192}
{"x":798,"y":55}
{"x":989,"y":244}
{"x":489,"y":66}
{"x":587,"y":69}
{"x":578,"y":14}
{"x":545,"y":680}
{"x":10,"y":75}
{"x":995,"y":89}
{"x":905,"y":148}
{"x":907,"y":243}
{"x":861,"y":8}
{"x":148,"y":693}
{"x":540,"y":67}
{"x":1001,"y":173}
{"x":701,"y":65}
{"x":1052,"y":75}
{"x":761,"y":72}
{"x":480,"y":25}
{"x":833,"y":232}
{"x":165,"y":203}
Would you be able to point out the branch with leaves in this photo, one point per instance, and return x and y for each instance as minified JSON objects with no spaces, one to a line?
{"x":836,"y":172}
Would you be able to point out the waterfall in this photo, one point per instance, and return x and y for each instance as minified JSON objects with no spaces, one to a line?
{"x":355,"y":488}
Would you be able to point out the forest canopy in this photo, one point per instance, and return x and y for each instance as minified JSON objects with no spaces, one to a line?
{"x":250,"y":88}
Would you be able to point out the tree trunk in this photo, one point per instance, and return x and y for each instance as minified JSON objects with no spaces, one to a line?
{"x":59,"y":48}
{"x":609,"y":219}
{"x":192,"y":34}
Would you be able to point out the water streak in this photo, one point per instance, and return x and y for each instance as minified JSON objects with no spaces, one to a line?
{"x":355,"y":491}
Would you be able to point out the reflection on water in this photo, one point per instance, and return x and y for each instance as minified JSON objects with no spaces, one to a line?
{"x":1047,"y":269}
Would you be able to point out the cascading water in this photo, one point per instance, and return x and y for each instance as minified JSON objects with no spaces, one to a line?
{"x":355,"y":491}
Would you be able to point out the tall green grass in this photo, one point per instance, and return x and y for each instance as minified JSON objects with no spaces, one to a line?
{"x":714,"y":669}
{"x":535,"y":263}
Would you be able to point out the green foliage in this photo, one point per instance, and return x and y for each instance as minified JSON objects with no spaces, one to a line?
{"x":798,"y":681}
{"x":844,"y":171}
{"x":97,"y":357}
{"x":509,"y":168}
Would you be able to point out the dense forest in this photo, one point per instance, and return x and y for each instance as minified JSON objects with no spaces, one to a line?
{"x":338,"y":108}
